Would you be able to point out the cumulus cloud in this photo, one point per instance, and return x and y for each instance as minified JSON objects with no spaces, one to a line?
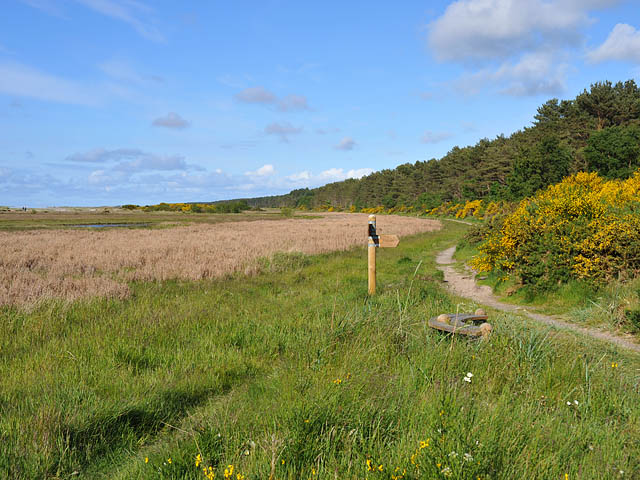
{"x":517,"y":47}
{"x":434,"y":137}
{"x":262,"y":96}
{"x":171,"y":120}
{"x":282,"y":130}
{"x":498,"y":29}
{"x":347,"y":143}
{"x":533,"y":74}
{"x":263,"y":171}
{"x":623,"y":43}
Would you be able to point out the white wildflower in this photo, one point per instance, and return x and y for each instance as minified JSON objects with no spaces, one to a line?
{"x":453,"y":454}
{"x":468,"y":457}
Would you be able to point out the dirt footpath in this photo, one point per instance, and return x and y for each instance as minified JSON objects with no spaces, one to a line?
{"x":464,"y":285}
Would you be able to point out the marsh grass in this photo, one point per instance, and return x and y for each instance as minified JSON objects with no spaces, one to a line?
{"x":70,"y":264}
{"x":297,"y":373}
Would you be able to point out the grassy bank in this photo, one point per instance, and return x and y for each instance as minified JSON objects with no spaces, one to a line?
{"x":297,"y":373}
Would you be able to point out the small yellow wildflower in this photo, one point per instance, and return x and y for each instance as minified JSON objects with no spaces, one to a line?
{"x":306,"y":420}
{"x":313,"y":471}
{"x":337,"y":381}
{"x":370,"y":465}
{"x":348,"y":375}
{"x":198,"y":460}
{"x":424,"y":444}
{"x":380,"y":468}
{"x":441,"y":412}
{"x":169,"y":460}
{"x":282,"y":461}
{"x":614,"y":365}
{"x":566,"y":476}
{"x":228,"y":472}
{"x":438,"y":465}
{"x":146,"y":459}
{"x":239,"y":477}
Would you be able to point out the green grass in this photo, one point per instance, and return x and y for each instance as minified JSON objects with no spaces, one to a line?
{"x":245,"y":372}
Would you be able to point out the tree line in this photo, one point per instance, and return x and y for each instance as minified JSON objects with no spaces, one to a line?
{"x":598,"y":131}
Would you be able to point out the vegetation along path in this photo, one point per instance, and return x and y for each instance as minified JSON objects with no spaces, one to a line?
{"x":465,"y":286}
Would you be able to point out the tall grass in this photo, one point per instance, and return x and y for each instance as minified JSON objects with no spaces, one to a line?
{"x":298,"y":373}
{"x":70,"y":264}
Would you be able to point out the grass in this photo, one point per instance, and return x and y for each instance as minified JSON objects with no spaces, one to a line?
{"x":297,"y":373}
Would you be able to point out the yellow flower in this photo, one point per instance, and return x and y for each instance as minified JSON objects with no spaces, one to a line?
{"x":282,"y":461}
{"x":198,"y":460}
{"x":369,"y":465}
{"x":239,"y":477}
{"x":380,"y":467}
{"x":424,"y":444}
{"x":337,"y":381}
{"x":169,"y":461}
{"x":614,"y":365}
{"x":146,"y":459}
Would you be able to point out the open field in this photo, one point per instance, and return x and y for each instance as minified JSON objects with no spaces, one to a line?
{"x":298,"y":373}
{"x":75,"y":263}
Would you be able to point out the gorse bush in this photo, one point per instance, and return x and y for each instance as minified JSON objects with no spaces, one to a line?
{"x":581,"y":228}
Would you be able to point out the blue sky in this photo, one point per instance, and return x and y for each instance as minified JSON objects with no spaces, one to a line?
{"x":105,"y":102}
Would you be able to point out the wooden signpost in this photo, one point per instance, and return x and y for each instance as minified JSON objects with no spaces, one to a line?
{"x":375,"y":241}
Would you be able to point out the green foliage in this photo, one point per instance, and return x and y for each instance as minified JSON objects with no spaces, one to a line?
{"x":130,"y":206}
{"x":543,"y":164}
{"x":615,"y":151}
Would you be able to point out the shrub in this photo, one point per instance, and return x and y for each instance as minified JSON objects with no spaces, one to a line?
{"x":584,"y":228}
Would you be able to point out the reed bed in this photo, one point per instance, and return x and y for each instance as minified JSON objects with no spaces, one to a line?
{"x":70,"y":264}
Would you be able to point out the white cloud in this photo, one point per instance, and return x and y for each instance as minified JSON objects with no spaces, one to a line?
{"x":534,"y":74}
{"x":292,"y":103}
{"x":20,"y":80}
{"x":306,"y":178}
{"x":135,"y":13}
{"x":263,"y":171}
{"x":347,"y":143}
{"x":515,"y":47}
{"x":434,"y":137}
{"x":171,"y":120}
{"x":131,"y":161}
{"x":498,"y":29}
{"x":262,"y":96}
{"x":623,"y":43}
{"x":256,"y":95}
{"x":282,"y":130}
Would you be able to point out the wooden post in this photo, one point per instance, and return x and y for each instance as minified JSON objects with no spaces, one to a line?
{"x":372,"y":254}
{"x":376,"y":241}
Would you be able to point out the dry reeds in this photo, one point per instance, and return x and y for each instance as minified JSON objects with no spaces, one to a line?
{"x":70,"y":264}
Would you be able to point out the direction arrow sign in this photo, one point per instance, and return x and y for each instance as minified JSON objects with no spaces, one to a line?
{"x":386,"y":241}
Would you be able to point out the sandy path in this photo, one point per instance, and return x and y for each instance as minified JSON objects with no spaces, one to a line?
{"x":464,"y":285}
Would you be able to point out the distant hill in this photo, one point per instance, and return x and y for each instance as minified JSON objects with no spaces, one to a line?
{"x":599,"y":131}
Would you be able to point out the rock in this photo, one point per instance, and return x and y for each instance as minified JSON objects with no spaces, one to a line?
{"x":485,"y":329}
{"x":444,"y":318}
